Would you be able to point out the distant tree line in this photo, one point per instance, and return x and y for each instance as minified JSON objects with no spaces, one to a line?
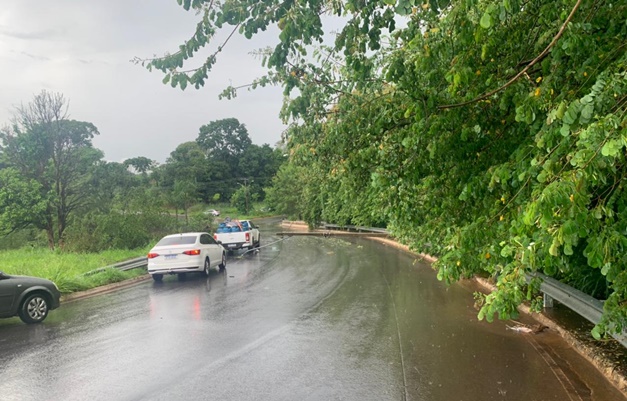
{"x":56,"y":188}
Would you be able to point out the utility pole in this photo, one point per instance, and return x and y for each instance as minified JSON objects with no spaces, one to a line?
{"x":245,"y":185}
{"x":246,"y":190}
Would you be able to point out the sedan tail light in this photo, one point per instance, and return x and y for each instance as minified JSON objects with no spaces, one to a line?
{"x":192,"y":252}
{"x":152,"y":255}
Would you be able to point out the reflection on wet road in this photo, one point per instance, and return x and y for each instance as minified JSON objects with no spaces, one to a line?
{"x":302,"y":319}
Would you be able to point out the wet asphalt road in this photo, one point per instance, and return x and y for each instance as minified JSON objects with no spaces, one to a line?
{"x":303,"y":319}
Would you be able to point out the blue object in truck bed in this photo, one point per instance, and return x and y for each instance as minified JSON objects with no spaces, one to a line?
{"x":233,"y":227}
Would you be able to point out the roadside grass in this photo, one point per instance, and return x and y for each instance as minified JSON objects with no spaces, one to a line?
{"x":68,"y":270}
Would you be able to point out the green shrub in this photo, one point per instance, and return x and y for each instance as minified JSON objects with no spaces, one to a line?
{"x":31,"y":237}
{"x":95,"y":232}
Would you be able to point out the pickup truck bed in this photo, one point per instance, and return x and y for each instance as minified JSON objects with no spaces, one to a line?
{"x":237,"y":234}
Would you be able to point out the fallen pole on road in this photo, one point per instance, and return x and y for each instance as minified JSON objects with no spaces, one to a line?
{"x":331,"y":234}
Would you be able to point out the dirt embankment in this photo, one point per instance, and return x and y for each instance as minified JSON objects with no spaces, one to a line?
{"x":609,"y":357}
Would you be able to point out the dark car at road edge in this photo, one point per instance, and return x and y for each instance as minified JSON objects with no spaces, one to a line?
{"x":30,"y":298}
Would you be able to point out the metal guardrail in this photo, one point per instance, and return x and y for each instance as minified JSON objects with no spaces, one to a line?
{"x":125,"y":265}
{"x":579,"y":302}
{"x":585,"y":305}
{"x":131,"y":263}
{"x":354,"y":228}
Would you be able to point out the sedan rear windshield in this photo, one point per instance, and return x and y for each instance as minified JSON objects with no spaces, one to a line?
{"x":177,"y":241}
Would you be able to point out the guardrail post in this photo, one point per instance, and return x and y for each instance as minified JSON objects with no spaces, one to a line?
{"x":548,"y":300}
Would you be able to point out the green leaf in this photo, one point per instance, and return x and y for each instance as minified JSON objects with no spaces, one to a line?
{"x":561,"y":109}
{"x":611,"y":148}
{"x":596,"y":333}
{"x":489,"y":317}
{"x":565,"y":130}
{"x":542,"y":176}
{"x":586,"y":113}
{"x":183,"y":82}
{"x":594,"y":252}
{"x":569,"y":117}
{"x":457,"y":78}
{"x":605,"y":269}
{"x":554,"y":249}
{"x":597,"y":213}
{"x":573,"y":112}
{"x":568,"y":249}
{"x":408,"y":112}
{"x":486,"y":20}
{"x":508,"y":5}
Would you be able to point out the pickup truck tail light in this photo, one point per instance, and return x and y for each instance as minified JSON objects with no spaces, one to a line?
{"x":215,"y":237}
{"x":192,"y":252}
{"x":152,"y":255}
{"x":247,"y":237}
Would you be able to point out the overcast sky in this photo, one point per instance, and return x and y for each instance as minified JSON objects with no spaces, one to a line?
{"x":83,"y":49}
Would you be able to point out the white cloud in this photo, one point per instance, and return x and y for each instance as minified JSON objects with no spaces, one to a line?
{"x":83,"y":50}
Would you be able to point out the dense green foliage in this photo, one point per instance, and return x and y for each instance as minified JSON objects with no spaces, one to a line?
{"x":56,"y":189}
{"x":285,"y":194}
{"x":491,"y":133}
{"x":221,"y":160}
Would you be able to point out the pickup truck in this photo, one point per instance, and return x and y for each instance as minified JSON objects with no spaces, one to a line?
{"x":237,"y":234}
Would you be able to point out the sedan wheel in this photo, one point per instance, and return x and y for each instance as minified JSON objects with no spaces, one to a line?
{"x":34,"y":309}
{"x":207,"y":267}
{"x":222,"y":264}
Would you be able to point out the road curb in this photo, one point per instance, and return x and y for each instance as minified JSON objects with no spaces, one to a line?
{"x":104,"y":289}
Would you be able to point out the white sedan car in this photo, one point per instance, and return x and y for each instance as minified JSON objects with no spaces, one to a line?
{"x":184,"y":253}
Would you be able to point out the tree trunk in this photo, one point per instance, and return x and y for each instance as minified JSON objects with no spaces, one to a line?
{"x":50,"y":234}
{"x":60,"y":232}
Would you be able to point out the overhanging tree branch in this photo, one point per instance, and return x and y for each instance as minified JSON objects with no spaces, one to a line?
{"x":524,"y":70}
